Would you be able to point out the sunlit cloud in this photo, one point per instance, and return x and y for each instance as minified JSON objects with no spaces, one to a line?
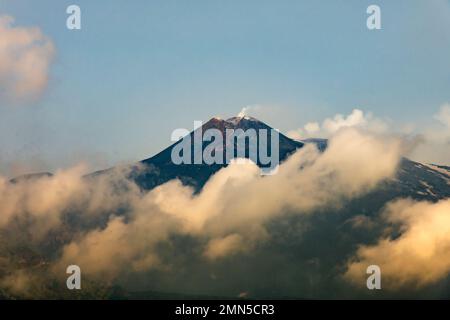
{"x":356,"y":119}
{"x":420,"y":256}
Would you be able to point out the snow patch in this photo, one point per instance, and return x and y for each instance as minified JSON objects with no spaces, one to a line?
{"x":443,"y":173}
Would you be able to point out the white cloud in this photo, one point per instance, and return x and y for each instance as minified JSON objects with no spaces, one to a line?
{"x":249,"y":110}
{"x":356,"y":119}
{"x":443,"y":116}
{"x":25,"y":58}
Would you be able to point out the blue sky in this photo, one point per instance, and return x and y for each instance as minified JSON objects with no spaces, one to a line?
{"x":139,"y":69}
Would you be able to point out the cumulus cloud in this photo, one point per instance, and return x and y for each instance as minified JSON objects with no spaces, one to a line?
{"x":25,"y":58}
{"x":420,"y":256}
{"x":356,"y":119}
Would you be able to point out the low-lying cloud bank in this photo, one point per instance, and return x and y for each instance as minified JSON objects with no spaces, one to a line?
{"x":420,"y":256}
{"x":118,"y":227}
{"x":231,"y":211}
{"x":109,"y":227}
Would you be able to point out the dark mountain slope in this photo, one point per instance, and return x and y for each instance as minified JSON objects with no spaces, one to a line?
{"x":160,"y":168}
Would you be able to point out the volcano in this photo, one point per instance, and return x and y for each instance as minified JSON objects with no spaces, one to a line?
{"x":415,"y":180}
{"x":160,"y":168}
{"x":305,"y":253}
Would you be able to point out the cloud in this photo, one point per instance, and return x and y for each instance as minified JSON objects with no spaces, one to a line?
{"x":443,"y":116}
{"x":120,"y":246}
{"x":428,"y":144}
{"x":18,"y":282}
{"x":25,"y":58}
{"x":435,"y":144}
{"x":110,"y":227}
{"x":40,"y":200}
{"x":221,"y":247}
{"x":356,"y":119}
{"x":247,"y":110}
{"x":419,"y":257}
{"x":230,"y":213}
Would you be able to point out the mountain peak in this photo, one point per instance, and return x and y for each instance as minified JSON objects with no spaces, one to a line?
{"x":235,"y":120}
{"x":242,"y":121}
